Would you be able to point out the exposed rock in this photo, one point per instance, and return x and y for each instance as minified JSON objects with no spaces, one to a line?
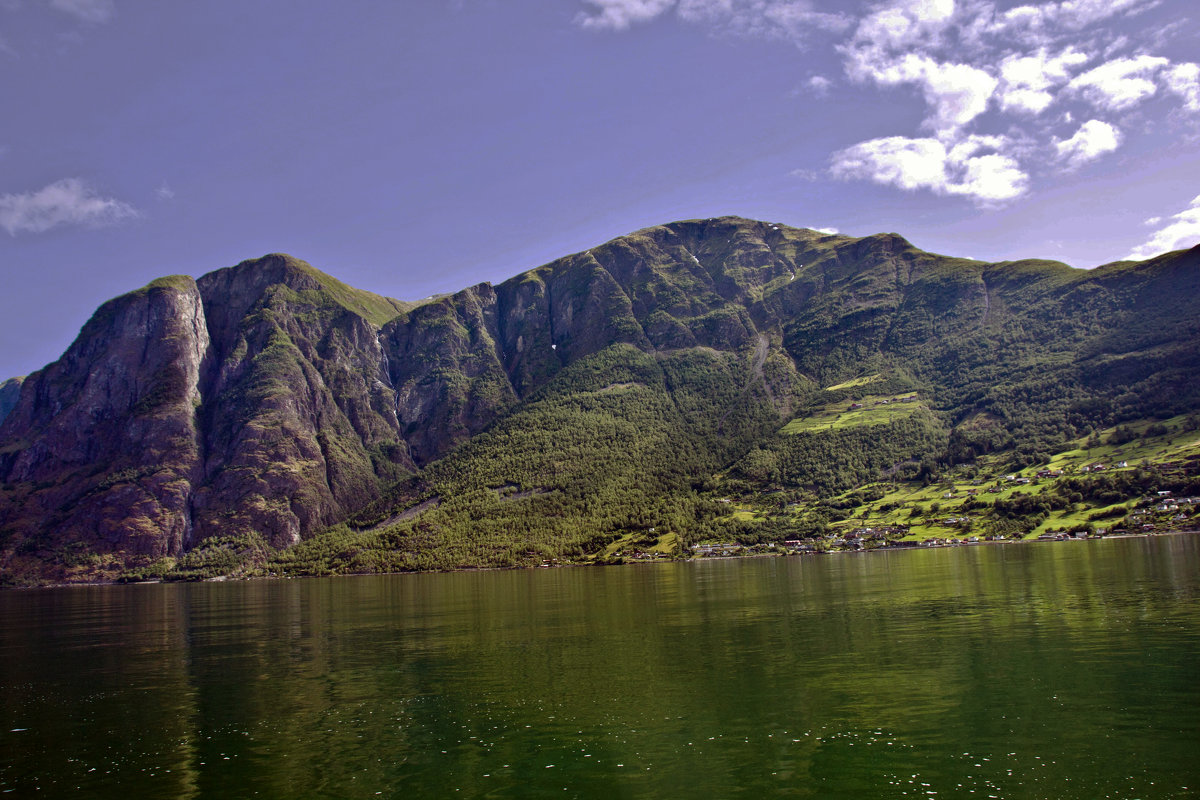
{"x":102,"y":447}
{"x":269,"y":398}
{"x":10,"y":392}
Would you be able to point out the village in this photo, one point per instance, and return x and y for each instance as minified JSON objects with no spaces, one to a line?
{"x":973,"y":504}
{"x":1151,"y":514}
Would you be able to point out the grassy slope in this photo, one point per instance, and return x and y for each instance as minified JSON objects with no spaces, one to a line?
{"x":1166,"y":452}
{"x":1010,"y":363}
{"x":875,"y":410}
{"x":374,"y":308}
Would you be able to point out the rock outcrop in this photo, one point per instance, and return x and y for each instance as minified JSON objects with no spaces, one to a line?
{"x":102,"y":446}
{"x":270,"y":398}
{"x":10,"y":392}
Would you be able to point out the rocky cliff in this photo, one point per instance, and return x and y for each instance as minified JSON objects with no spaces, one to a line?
{"x":10,"y":392}
{"x":269,"y":399}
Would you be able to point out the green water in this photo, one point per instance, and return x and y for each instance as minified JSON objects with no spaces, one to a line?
{"x":1062,"y":670}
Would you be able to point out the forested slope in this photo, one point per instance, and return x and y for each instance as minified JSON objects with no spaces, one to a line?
{"x":267,"y":417}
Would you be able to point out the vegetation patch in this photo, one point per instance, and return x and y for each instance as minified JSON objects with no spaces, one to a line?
{"x":870,"y":410}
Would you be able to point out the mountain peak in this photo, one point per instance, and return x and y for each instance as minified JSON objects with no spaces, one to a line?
{"x":271,"y":400}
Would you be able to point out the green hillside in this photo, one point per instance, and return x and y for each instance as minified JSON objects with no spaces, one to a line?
{"x":707,"y":386}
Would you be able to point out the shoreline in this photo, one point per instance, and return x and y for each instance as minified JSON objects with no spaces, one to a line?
{"x":635,"y":562}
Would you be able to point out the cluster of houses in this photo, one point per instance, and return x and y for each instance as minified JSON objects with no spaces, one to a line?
{"x":1163,"y":503}
{"x":947,"y":542}
{"x":1099,"y":467}
{"x":720,"y":549}
{"x":856,"y":539}
{"x":643,"y":555}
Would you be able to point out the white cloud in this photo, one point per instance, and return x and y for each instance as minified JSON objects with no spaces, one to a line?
{"x":907,"y":163}
{"x":1026,"y":81}
{"x":1079,"y":13}
{"x":892,"y":31}
{"x":617,"y":15}
{"x":86,"y":10}
{"x":1121,"y":83}
{"x":789,"y":19}
{"x":956,"y":93}
{"x":165,"y":192}
{"x":1184,"y":80}
{"x":1093,"y":139}
{"x":1182,"y":230}
{"x":972,"y":168}
{"x":65,"y":202}
{"x":978,"y":66}
{"x":827,"y":231}
{"x":795,"y":20}
{"x":894,"y":46}
{"x":1045,"y":23}
{"x":819,"y":85}
{"x":902,"y":25}
{"x":792,"y":20}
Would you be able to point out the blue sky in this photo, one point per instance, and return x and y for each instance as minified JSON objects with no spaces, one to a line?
{"x":420,"y":147}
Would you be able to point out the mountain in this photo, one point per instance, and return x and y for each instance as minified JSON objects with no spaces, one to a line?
{"x":268,"y":417}
{"x":10,"y":391}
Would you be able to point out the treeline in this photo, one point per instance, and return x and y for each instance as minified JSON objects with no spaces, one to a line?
{"x":619,"y":443}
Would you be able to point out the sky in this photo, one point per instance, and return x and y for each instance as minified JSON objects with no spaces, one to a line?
{"x":420,"y":147}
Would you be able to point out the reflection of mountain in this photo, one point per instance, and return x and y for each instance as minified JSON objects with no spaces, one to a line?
{"x":571,"y":404}
{"x":767,"y":676}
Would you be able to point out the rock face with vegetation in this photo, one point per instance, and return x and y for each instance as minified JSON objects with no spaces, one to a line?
{"x":10,"y":392}
{"x":267,"y":417}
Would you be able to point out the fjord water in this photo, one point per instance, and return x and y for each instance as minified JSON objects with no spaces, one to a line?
{"x":1064,"y":670}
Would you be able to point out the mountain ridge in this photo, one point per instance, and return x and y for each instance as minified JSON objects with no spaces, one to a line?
{"x":271,"y":400}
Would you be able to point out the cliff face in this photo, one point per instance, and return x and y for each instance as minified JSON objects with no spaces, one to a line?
{"x":10,"y":392}
{"x":253,"y":400}
{"x":269,"y":398}
{"x":102,"y":446}
{"x":298,"y":421}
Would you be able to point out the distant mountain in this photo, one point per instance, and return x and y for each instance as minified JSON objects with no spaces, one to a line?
{"x":269,"y":417}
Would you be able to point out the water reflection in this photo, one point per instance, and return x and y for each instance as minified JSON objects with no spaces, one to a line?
{"x":1006,"y":671}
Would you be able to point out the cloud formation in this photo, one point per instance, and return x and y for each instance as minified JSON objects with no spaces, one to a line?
{"x":1120,"y":84}
{"x":989,"y":79}
{"x":974,"y":168}
{"x":617,"y":15}
{"x":94,"y":11}
{"x":1093,"y":139}
{"x":66,"y":202}
{"x":955,"y":93}
{"x":980,"y":71}
{"x":1184,"y":80}
{"x":1028,"y":82}
{"x":1182,"y":230}
{"x":788,"y":19}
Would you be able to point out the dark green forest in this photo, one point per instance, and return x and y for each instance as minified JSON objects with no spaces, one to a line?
{"x":710,"y":381}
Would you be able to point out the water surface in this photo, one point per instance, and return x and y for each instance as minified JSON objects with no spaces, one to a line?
{"x":1059,"y":670}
